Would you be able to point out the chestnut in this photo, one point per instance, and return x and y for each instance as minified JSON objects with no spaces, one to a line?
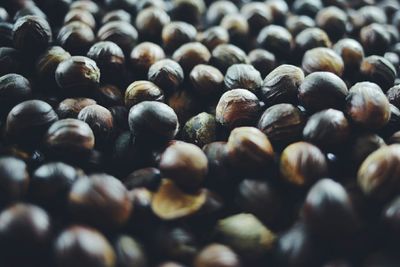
{"x":262,"y":199}
{"x":218,"y":9}
{"x":31,"y":35}
{"x":76,"y":37}
{"x":100,"y":120}
{"x":74,"y":247}
{"x":219,"y":174}
{"x":122,"y":33}
{"x":333,"y":20}
{"x":69,"y":138}
{"x":213,"y":36}
{"x":33,"y":117}
{"x":89,"y":6}
{"x":375,"y":39}
{"x":363,"y":146}
{"x":298,"y":247}
{"x":116,"y":15}
{"x":393,"y":58}
{"x":14,"y":89}
{"x":110,"y":59}
{"x":78,"y":75}
{"x":11,"y":61}
{"x":258,"y":15}
{"x":111,"y":211}
{"x":70,"y":107}
{"x":322,"y":59}
{"x":392,"y":126}
{"x":328,"y":129}
{"x":149,"y":178}
{"x":108,"y":96}
{"x":378,"y":70}
{"x":225,"y":55}
{"x":238,"y":107}
{"x":248,"y":150}
{"x":14,"y":180}
{"x":142,"y":4}
{"x":367,"y":105}
{"x":298,"y":23}
{"x":263,"y":60}
{"x":377,"y":175}
{"x":282,"y":124}
{"x":307,"y":7}
{"x":50,"y":184}
{"x":214,"y":255}
{"x":189,"y":11}
{"x":185,"y":104}
{"x":191,"y":54}
{"x":277,"y":40}
{"x":302,"y":163}
{"x":25,"y":235}
{"x":185,"y":164}
{"x":167,"y":74}
{"x":237,"y":27}
{"x":243,"y":76}
{"x":310,"y":38}
{"x":326,"y":201}
{"x":29,"y":10}
{"x":326,"y":84}
{"x":351,"y":52}
{"x":129,"y":252}
{"x":46,"y":67}
{"x":150,"y":23}
{"x":140,"y":91}
{"x":80,"y":15}
{"x":245,"y":234}
{"x":206,"y":80}
{"x":390,"y":7}
{"x":393,"y":95}
{"x":281,"y":85}
{"x":144,"y":55}
{"x":200,"y":129}
{"x":153,"y":121}
{"x":176,"y":34}
{"x":175,"y":243}
{"x":127,"y":6}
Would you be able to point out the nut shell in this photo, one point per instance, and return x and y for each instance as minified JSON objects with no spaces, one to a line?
{"x":83,"y":246}
{"x":170,"y":203}
{"x":185,"y":164}
{"x":100,"y":200}
{"x":368,"y":106}
{"x":238,"y":107}
{"x":281,"y":85}
{"x":378,"y":174}
{"x":322,"y":59}
{"x":78,"y":75}
{"x":302,"y":163}
{"x":243,"y":76}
